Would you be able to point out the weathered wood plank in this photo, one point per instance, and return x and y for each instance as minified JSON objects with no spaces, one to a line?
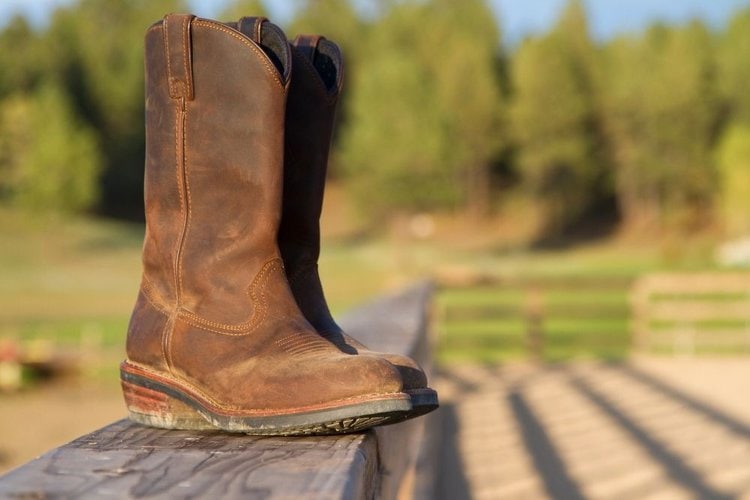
{"x":126,"y":460}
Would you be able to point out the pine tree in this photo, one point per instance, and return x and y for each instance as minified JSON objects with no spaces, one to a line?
{"x":426,"y":108}
{"x":733,"y":160}
{"x":663,"y":112}
{"x":49,"y":160}
{"x":556,"y":123}
{"x":733,"y":66}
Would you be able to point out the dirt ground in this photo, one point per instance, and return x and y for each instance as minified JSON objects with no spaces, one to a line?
{"x":664,"y":428}
{"x":39,"y":419}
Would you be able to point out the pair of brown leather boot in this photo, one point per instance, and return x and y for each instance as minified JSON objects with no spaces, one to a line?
{"x":231,"y":329}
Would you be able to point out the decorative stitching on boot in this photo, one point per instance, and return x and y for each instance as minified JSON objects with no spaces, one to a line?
{"x":207,"y":24}
{"x":166,"y":342}
{"x":259,"y":301}
{"x":303,"y":342}
{"x":178,"y":177}
{"x":263,"y":58}
{"x":188,"y":198}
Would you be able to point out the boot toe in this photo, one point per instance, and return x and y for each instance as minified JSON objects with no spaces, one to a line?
{"x":411,"y":373}
{"x":367,"y":375}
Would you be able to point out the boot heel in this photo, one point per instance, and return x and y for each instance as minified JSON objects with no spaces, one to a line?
{"x":156,"y":409}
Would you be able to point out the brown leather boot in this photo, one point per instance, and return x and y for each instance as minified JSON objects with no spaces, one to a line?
{"x":216,"y":339}
{"x":311,"y":106}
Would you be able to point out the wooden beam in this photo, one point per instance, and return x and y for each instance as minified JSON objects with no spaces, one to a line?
{"x":126,"y":460}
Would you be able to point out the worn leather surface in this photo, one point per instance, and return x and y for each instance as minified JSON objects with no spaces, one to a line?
{"x":310,"y":114}
{"x":215,"y":309}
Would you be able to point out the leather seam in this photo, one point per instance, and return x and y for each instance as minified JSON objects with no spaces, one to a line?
{"x":263,"y":58}
{"x":260,"y":307}
{"x":167,"y":332}
{"x":178,"y":169}
{"x":188,"y":200}
{"x":166,"y":342}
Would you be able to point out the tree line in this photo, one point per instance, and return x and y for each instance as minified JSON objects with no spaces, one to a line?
{"x":650,"y":130}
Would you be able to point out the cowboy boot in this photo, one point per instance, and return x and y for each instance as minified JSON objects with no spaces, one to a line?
{"x":216,"y":339}
{"x":311,"y":105}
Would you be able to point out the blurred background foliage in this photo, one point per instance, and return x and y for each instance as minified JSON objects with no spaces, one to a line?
{"x":645,"y":132}
{"x":503,"y":168}
{"x":536,"y":179}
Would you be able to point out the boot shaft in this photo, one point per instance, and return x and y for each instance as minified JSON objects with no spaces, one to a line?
{"x":310,"y":113}
{"x":215,"y":104}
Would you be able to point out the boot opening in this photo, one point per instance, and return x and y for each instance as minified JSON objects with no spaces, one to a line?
{"x":272,"y":41}
{"x":275,"y":45}
{"x":327,"y":60}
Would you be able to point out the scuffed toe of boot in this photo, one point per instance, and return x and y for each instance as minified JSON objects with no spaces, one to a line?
{"x":423,"y":398}
{"x":411,"y":373}
{"x":374,"y":372}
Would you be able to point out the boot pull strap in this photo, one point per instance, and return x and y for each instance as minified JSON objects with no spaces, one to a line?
{"x":251,"y":27}
{"x":308,"y":44}
{"x":177,"y":44}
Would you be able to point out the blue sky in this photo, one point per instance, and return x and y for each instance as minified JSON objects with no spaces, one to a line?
{"x":517,"y":17}
{"x":610,"y":17}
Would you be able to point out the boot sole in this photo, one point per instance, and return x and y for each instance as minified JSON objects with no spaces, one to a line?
{"x":158,"y":400}
{"x":423,"y":401}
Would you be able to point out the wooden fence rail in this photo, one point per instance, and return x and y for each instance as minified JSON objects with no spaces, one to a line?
{"x":126,"y":460}
{"x":668,"y":313}
{"x":688,"y":313}
{"x":552,"y":318}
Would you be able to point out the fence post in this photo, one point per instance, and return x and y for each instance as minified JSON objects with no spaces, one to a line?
{"x":534,"y":313}
{"x":639,"y":299}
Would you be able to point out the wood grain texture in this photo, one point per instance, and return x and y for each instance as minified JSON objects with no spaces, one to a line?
{"x":126,"y":460}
